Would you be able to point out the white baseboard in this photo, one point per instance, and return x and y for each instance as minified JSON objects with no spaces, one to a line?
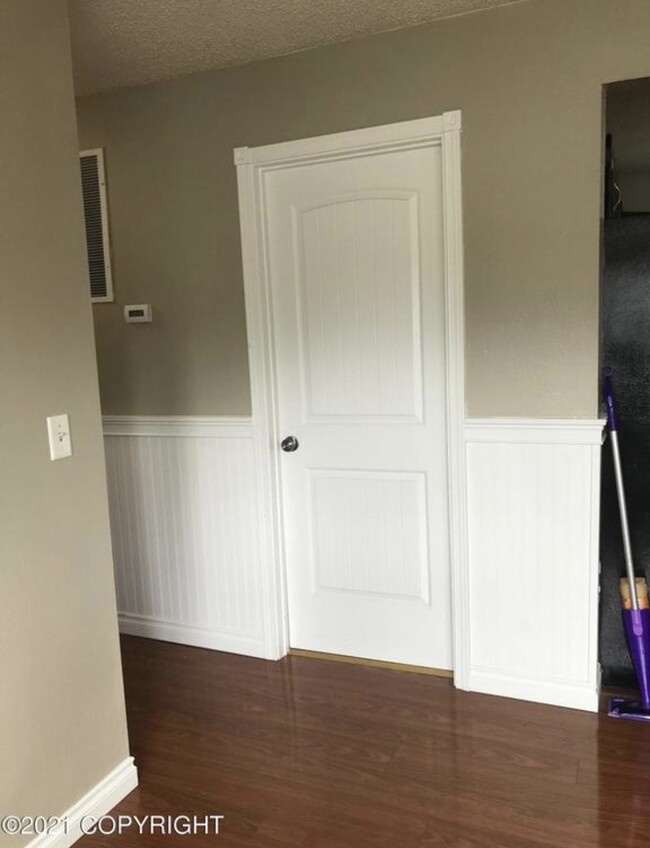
{"x":101,"y":799}
{"x":184,"y":634}
{"x":540,"y":691}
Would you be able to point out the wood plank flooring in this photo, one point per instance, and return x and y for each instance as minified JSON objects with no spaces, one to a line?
{"x":306,"y":753}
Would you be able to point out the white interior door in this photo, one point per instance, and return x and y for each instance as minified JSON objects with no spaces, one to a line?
{"x":355,"y":252}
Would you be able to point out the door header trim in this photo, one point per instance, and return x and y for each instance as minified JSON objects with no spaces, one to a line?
{"x":424,"y":131}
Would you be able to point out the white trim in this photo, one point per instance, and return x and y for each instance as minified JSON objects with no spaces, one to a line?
{"x":251,"y":164}
{"x":408,"y":134}
{"x":557,"y":693}
{"x":265,"y":428}
{"x":594,"y":572}
{"x":183,"y":426}
{"x":565,"y":431}
{"x":98,"y":152}
{"x":455,"y":375}
{"x":101,"y":799}
{"x":183,"y":634}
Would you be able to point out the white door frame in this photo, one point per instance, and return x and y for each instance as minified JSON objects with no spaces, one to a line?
{"x":252,"y":165}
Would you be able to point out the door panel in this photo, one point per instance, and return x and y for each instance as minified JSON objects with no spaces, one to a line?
{"x":356,"y":277}
{"x":369,"y":533}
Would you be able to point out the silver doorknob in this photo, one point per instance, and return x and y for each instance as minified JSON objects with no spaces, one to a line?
{"x":289,"y":444}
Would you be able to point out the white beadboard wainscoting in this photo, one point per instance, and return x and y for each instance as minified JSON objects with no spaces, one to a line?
{"x":185,"y":526}
{"x":533,"y":518}
{"x":189,"y":565}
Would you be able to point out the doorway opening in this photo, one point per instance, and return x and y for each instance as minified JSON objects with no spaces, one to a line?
{"x":625,"y":348}
{"x":352,"y":252}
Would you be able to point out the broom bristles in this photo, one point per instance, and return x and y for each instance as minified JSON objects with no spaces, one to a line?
{"x":641,"y":591}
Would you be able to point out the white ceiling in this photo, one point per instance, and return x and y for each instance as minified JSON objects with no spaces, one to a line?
{"x":119,"y":43}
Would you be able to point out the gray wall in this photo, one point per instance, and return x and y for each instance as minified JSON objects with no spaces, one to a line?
{"x":63,"y":724}
{"x":528,"y":78}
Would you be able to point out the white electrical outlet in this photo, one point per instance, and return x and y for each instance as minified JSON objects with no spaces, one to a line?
{"x":58,"y":431}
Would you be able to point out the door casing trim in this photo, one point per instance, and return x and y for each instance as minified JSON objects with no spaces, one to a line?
{"x":252,"y":164}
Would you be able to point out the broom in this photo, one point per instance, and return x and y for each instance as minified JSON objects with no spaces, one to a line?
{"x":634,"y":591}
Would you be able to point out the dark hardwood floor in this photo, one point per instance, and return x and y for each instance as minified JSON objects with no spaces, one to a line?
{"x":306,"y":753}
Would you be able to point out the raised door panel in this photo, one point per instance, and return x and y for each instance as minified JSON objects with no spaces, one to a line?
{"x":357,"y":273}
{"x":369,"y":533}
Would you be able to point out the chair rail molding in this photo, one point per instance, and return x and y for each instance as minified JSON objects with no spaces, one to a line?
{"x":533,"y":518}
{"x":177,"y":425}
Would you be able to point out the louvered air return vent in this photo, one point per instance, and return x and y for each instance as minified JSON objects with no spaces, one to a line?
{"x":93,"y":185}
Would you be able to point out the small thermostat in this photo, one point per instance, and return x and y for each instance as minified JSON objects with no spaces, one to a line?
{"x":137,"y":314}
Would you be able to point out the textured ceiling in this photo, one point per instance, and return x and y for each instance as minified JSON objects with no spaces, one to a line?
{"x":118,"y":43}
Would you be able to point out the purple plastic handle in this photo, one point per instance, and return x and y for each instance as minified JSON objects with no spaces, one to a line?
{"x":637,"y":631}
{"x":608,"y":396}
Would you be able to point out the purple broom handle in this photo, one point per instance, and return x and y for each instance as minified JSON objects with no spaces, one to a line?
{"x":608,"y":396}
